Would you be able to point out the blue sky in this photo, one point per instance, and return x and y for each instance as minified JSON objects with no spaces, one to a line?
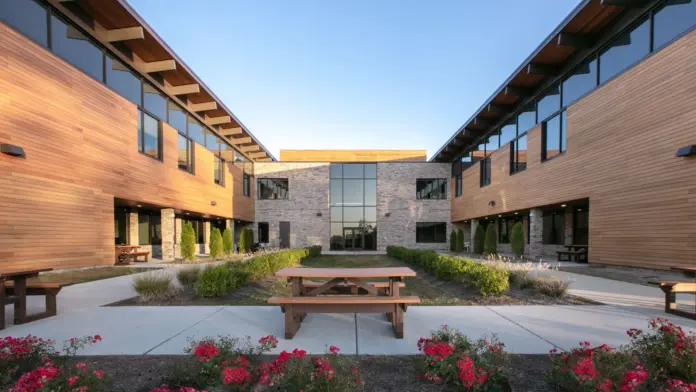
{"x":353,"y":74}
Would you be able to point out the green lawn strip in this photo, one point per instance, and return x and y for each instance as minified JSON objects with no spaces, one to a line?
{"x":86,"y":275}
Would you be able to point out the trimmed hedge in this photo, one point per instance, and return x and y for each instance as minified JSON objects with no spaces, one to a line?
{"x":188,"y":242}
{"x":491,"y":245}
{"x":460,"y":241}
{"x":314,"y":250}
{"x":479,"y":239}
{"x":246,"y":240}
{"x":215,"y":243}
{"x":214,"y":281}
{"x":517,"y":239}
{"x":489,"y":280}
{"x":453,"y":241}
{"x":227,"y":242}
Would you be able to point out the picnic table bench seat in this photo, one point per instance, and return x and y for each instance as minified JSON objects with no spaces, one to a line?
{"x":348,"y":287}
{"x":295,"y":308}
{"x":578,"y":255}
{"x":49,"y":290}
{"x":140,"y":253}
{"x":671,"y":289}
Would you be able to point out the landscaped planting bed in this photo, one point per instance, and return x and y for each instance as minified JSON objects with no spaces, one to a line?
{"x":662,"y":359}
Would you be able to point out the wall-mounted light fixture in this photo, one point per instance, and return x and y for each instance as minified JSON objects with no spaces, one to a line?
{"x":688,"y":151}
{"x":213,"y":203}
{"x":319,"y":214}
{"x":13,"y":151}
{"x":491,"y":203}
{"x":388,"y":214}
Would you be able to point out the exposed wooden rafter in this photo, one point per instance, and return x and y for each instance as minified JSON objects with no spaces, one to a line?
{"x":159,"y":66}
{"x":517,"y":91}
{"x":579,"y":41}
{"x":218,"y":120}
{"x":264,"y":160}
{"x":230,"y":131}
{"x":257,"y":154}
{"x":542,"y":69}
{"x":250,"y":148}
{"x":202,"y":107}
{"x":497,"y":109}
{"x":125,"y":34}
{"x":184,"y":89}
{"x":240,"y":140}
{"x":479,"y":122}
{"x":625,"y":3}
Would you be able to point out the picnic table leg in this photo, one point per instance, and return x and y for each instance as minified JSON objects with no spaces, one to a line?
{"x":670,"y":299}
{"x":2,"y":305}
{"x":20,"y":305}
{"x":291,"y":323}
{"x":296,"y":286}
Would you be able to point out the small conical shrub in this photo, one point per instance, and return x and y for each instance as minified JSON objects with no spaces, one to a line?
{"x":188,"y":242}
{"x":250,"y":239}
{"x":479,"y":239}
{"x":517,"y":239}
{"x":460,"y":241}
{"x":246,"y":240}
{"x":227,"y":243}
{"x":453,"y":241}
{"x":491,"y":245}
{"x":215,"y":243}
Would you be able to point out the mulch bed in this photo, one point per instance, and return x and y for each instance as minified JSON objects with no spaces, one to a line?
{"x":379,"y":373}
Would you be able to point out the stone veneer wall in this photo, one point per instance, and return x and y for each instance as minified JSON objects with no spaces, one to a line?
{"x":308,"y":184}
{"x":396,"y":195}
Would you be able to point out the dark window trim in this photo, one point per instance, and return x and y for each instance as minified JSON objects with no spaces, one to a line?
{"x":561,"y":132}
{"x":458,"y":185}
{"x":481,"y":175}
{"x":427,"y":179}
{"x":141,"y":133}
{"x":246,"y":179}
{"x":222,"y":171}
{"x":432,"y":242}
{"x":192,"y":165}
{"x":267,"y":237}
{"x":258,"y":188}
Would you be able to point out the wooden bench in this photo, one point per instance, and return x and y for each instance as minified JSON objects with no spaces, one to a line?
{"x":140,"y":253}
{"x":579,"y":255}
{"x":348,"y":287}
{"x":49,"y":290}
{"x":671,"y":289}
{"x":295,"y":308}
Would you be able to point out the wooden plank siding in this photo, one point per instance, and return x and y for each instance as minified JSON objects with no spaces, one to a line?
{"x":352,"y":155}
{"x":81,"y":144}
{"x":621,"y":144}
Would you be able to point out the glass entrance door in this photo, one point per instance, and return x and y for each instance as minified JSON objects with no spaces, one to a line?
{"x":353,"y":237}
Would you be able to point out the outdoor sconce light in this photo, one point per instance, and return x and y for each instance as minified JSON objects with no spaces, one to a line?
{"x":13,"y":151}
{"x":388,"y":214}
{"x":319,"y":214}
{"x":213,"y":203}
{"x":491,"y":203}
{"x":688,"y":151}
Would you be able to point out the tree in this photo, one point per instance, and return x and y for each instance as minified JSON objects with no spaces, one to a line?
{"x":188,"y":242}
{"x":215,"y":243}
{"x":517,"y":239}
{"x":227,"y":243}
{"x":460,"y":241}
{"x":246,"y":240}
{"x":479,"y":239}
{"x":453,"y":241}
{"x":491,"y":245}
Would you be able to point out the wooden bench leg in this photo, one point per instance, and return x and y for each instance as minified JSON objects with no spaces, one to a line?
{"x":51,"y":304}
{"x":670,"y":299}
{"x":291,"y":324}
{"x":398,"y":322}
{"x":20,"y":305}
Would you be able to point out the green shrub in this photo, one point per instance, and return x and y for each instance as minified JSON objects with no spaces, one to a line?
{"x":518,"y":277}
{"x":188,"y":276}
{"x":453,"y":241}
{"x":314,"y":250}
{"x":152,"y":286}
{"x":491,"y":245}
{"x":227,"y":242}
{"x":490,"y":281}
{"x":550,"y":286}
{"x":188,"y":242}
{"x":259,"y":267}
{"x":215,"y":243}
{"x":214,"y":281}
{"x":517,"y":239}
{"x":479,"y":239}
{"x":451,"y":268}
{"x":460,"y":241}
{"x":246,"y":240}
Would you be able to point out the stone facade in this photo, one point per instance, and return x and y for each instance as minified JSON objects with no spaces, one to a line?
{"x":307,"y":207}
{"x":396,"y":196}
{"x":536,"y":233}
{"x":168,"y":227}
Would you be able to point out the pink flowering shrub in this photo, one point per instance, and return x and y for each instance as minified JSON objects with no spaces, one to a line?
{"x":221,"y":362}
{"x":451,"y":358}
{"x":662,"y":359}
{"x":296,"y":371}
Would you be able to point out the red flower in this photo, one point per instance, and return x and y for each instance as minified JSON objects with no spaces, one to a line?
{"x":585,"y":369}
{"x":632,"y":379}
{"x":72,"y":380}
{"x":270,"y":339}
{"x":438,"y":351}
{"x":235,"y":375}
{"x":334,"y":350}
{"x":605,"y":386}
{"x":99,"y":374}
{"x":81,"y":366}
{"x":466,"y":371}
{"x":206,"y":352}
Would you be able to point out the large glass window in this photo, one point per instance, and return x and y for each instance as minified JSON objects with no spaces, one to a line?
{"x":28,"y":17}
{"x":185,"y":154}
{"x":671,"y":20}
{"x":247,"y":185}
{"x":121,"y":226}
{"x":149,"y":228}
{"x":353,"y":192}
{"x":526,"y":120}
{"x":518,"y":158}
{"x":485,"y":172}
{"x":492,"y":142}
{"x":176,"y":117}
{"x":149,"y":135}
{"x":272,"y":188}
{"x":429,"y":232}
{"x":554,"y":136}
{"x":122,"y":80}
{"x":212,"y":142}
{"x":155,"y":103}
{"x":195,"y":131}
{"x":353,"y":170}
{"x":69,"y":43}
{"x":549,"y":103}
{"x":431,"y":189}
{"x":508,"y":132}
{"x":624,"y":51}
{"x":219,"y":171}
{"x":554,"y":228}
{"x":353,"y":200}
{"x":580,"y":82}
{"x":263,"y":232}
{"x":458,"y":185}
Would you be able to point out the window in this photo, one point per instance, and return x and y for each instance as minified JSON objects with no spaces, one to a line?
{"x":185,"y":153}
{"x":353,"y":170}
{"x":624,"y":51}
{"x":553,"y":137}
{"x":554,"y":228}
{"x":370,"y":170}
{"x":431,"y":233}
{"x":247,"y":185}
{"x":485,"y":172}
{"x":121,"y":226}
{"x":122,"y":80}
{"x":671,"y":20}
{"x":492,"y":143}
{"x":263,"y":232}
{"x":518,"y":157}
{"x":526,"y":120}
{"x":211,"y":142}
{"x":580,"y":82}
{"x":219,"y":169}
{"x":148,"y":135}
{"x":353,"y":192}
{"x":154,"y":103}
{"x":431,"y":189}
{"x":272,"y":188}
{"x":28,"y":17}
{"x":353,"y":201}
{"x":195,"y":131}
{"x":508,"y":132}
{"x":549,"y":103}
{"x":69,"y":43}
{"x":458,"y":185}
{"x":149,"y":228}
{"x":176,"y":117}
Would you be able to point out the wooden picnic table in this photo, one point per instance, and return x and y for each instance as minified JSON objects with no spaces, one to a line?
{"x":124,"y":253}
{"x":671,"y":289}
{"x":577,"y":247}
{"x":312,"y":299}
{"x":19,"y":297}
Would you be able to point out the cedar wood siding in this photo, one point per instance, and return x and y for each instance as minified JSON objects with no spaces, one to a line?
{"x":621,"y":144}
